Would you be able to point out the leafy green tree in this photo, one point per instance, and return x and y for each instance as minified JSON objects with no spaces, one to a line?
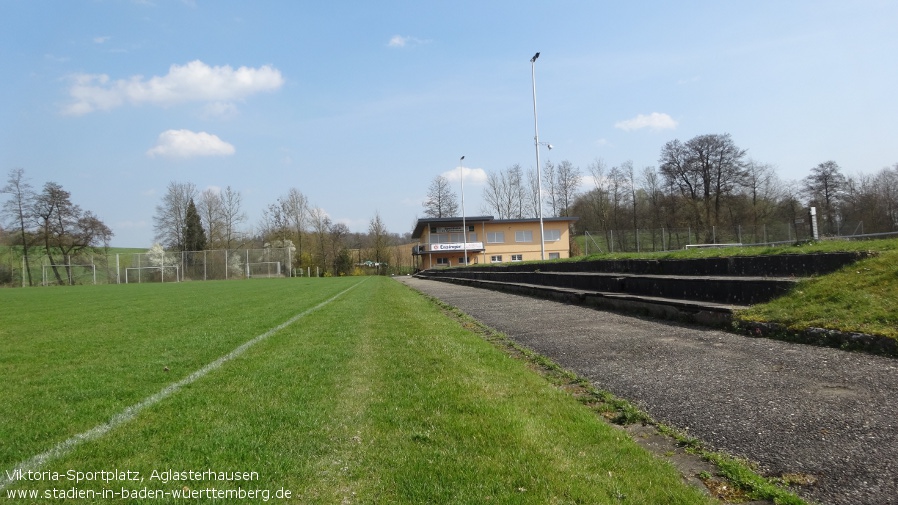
{"x":194,"y":234}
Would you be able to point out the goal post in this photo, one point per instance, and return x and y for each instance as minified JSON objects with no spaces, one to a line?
{"x":264,"y":269}
{"x":156,"y":274}
{"x":70,"y":273}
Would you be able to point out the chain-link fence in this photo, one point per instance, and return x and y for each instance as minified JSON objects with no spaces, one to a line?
{"x":668,"y":239}
{"x":155,"y":265}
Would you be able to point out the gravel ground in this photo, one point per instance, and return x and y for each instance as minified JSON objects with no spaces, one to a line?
{"x":792,"y":408}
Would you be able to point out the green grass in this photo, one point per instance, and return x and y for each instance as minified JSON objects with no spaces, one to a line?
{"x":879,"y":245}
{"x":859,"y":298}
{"x":376,"y":397}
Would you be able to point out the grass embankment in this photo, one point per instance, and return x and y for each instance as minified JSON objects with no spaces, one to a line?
{"x":375,"y":397}
{"x":859,"y":298}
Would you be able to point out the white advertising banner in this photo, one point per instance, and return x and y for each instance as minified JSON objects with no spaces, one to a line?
{"x":454,"y":246}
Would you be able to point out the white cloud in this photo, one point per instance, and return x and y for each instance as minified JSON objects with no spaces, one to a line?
{"x":188,"y":144}
{"x":193,"y":82}
{"x":101,"y":40}
{"x":400,"y":41}
{"x":654,"y":121}
{"x":472,"y":175}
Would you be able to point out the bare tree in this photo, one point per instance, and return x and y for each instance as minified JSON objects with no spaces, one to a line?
{"x":273,"y":225}
{"x":340,"y":259}
{"x":824,"y":187}
{"x":598,"y":201}
{"x":534,"y":200}
{"x":505,"y":194}
{"x":763,"y":190}
{"x":232,"y":217}
{"x":654,"y":195}
{"x":706,"y":169}
{"x":441,"y":200}
{"x":211,"y":211}
{"x":380,"y":239}
{"x":18,"y":210}
{"x":171,"y":214}
{"x":550,"y":187}
{"x":321,"y":224}
{"x":296,"y":209}
{"x":567,"y":186}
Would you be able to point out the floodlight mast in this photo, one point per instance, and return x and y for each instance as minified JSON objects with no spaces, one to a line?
{"x":539,"y":187}
{"x":464,"y":227}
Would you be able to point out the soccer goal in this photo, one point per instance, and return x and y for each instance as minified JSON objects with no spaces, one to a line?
{"x":70,"y":274}
{"x":264,"y":269}
{"x":165,"y":273}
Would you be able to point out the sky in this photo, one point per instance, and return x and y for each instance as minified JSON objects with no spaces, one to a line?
{"x":361,"y":104}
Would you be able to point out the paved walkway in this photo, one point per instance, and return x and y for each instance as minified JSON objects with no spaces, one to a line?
{"x":794,"y":409}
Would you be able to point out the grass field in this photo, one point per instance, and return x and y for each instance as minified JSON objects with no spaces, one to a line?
{"x":343,"y":390}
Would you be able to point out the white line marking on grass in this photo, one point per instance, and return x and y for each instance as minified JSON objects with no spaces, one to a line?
{"x":11,"y":476}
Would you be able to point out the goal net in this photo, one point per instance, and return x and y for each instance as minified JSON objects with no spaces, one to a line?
{"x":264,"y":269}
{"x":68,"y":274}
{"x":167,"y":273}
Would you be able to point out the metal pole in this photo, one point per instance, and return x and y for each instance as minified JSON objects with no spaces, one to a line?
{"x":539,"y":187}
{"x":464,"y":227}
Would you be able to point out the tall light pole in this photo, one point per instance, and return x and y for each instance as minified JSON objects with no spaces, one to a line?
{"x":539,"y":178}
{"x":464,"y":227}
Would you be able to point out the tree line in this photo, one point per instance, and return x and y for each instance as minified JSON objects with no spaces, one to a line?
{"x":47,"y":223}
{"x":189,"y":220}
{"x":706,"y":184}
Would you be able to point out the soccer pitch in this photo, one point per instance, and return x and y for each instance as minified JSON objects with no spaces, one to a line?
{"x":353,"y":390}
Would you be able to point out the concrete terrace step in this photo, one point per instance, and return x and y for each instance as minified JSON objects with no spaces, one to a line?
{"x":705,"y":290}
{"x":703,"y":312}
{"x":742,"y":290}
{"x":781,"y":265}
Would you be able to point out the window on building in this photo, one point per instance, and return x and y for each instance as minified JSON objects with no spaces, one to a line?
{"x":517,"y":257}
{"x":496,"y":258}
{"x":443,"y":261}
{"x":552,"y":236}
{"x":495,"y":237}
{"x":472,"y":236}
{"x":554,"y":256}
{"x":523,"y":236}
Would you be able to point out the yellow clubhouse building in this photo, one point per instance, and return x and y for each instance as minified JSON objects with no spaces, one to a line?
{"x":442,"y":244}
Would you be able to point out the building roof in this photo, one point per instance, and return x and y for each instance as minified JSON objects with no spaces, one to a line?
{"x":429,"y":221}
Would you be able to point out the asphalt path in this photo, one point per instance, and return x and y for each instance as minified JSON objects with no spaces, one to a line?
{"x":821,"y":413}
